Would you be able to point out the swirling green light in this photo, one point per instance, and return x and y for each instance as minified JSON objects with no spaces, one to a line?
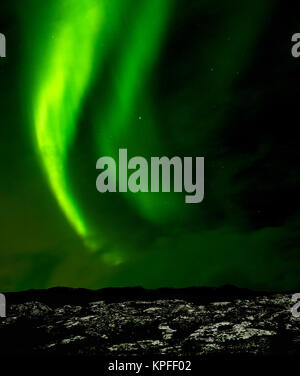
{"x":70,"y":55}
{"x":138,"y":56}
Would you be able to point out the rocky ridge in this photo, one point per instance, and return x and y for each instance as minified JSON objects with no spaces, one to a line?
{"x":136,"y":322}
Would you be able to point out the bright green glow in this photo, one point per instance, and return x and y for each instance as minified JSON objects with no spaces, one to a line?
{"x":118,"y":129}
{"x":70,"y":56}
{"x":139,"y":55}
{"x":137,"y":58}
{"x":62,"y":86}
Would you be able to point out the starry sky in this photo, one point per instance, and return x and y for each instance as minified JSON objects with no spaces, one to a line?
{"x":214,"y":79}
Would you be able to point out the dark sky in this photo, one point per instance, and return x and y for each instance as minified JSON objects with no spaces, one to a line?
{"x":214,"y":79}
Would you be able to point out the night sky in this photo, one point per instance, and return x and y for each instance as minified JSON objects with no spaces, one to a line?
{"x":207,"y":78}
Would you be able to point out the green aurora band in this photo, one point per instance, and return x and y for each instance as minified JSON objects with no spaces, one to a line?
{"x":139,"y":55}
{"x":84,"y":78}
{"x":64,"y":82}
{"x":61,"y":92}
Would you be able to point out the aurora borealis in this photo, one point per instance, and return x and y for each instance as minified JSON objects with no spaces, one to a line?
{"x":60,"y":94}
{"x":83,"y":79}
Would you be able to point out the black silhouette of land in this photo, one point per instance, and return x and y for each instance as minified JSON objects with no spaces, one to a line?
{"x":134,"y":322}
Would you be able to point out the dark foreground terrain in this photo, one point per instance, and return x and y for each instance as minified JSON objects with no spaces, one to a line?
{"x":203,"y":322}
